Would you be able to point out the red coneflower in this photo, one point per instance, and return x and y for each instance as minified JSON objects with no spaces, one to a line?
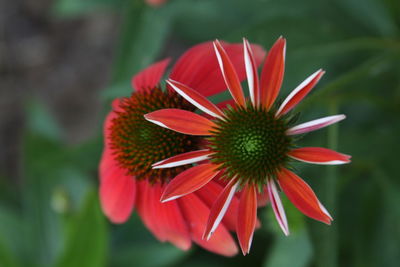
{"x":250,"y":144}
{"x":132,"y":144}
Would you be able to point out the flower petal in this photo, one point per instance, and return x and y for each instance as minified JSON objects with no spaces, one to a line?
{"x":117,"y":190}
{"x":196,"y":212}
{"x":299,"y":93}
{"x":272,"y":73}
{"x":181,"y":121}
{"x":247,"y":217}
{"x":277,"y":206}
{"x":315,"y":124}
{"x":252,"y":74}
{"x":219,"y":208}
{"x":183,"y":159}
{"x":151,"y":76}
{"x":198,"y":68}
{"x":165,"y":221}
{"x":210,"y":192}
{"x":229,"y":73}
{"x":196,"y":99}
{"x":189,"y":181}
{"x":302,"y":196}
{"x":319,"y":155}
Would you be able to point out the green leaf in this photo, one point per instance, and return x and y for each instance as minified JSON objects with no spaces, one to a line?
{"x":86,"y":243}
{"x":294,"y":250}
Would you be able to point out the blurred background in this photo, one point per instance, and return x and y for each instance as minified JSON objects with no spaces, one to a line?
{"x":63,"y":61}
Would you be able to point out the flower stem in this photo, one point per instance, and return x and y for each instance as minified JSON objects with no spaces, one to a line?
{"x":325,"y":238}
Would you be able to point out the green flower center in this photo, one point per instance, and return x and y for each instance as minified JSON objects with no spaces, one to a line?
{"x":137,"y":143}
{"x":250,"y":144}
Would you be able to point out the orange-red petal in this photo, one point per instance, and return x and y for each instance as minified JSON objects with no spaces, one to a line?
{"x":196,"y":212}
{"x":299,"y":93}
{"x":181,"y":121}
{"x":272,"y":73}
{"x":247,"y":217}
{"x":229,"y":73}
{"x":252,"y":74}
{"x":189,"y":181}
{"x":319,"y":155}
{"x":196,"y":99}
{"x":183,"y":159}
{"x":302,"y":196}
{"x":220,"y":207}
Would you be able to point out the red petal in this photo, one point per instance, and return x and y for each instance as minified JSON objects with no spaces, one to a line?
{"x":277,"y":206}
{"x":198,"y":67}
{"x":247,"y":217}
{"x":189,"y":181}
{"x":183,"y":159}
{"x":196,"y":99}
{"x":302,"y":196}
{"x":299,"y":93}
{"x":181,"y":121}
{"x":219,"y":208}
{"x":151,"y":76}
{"x":252,"y":74}
{"x":262,"y":198}
{"x":117,"y":190}
{"x":272,"y":73}
{"x":319,"y":155}
{"x":210,"y":192}
{"x":164,"y":220}
{"x":229,"y":73}
{"x":196,"y":212}
{"x":315,"y":124}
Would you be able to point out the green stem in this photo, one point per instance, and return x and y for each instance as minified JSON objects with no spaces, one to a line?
{"x":325,"y":238}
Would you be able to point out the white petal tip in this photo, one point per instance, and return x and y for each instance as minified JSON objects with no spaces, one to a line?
{"x":169,"y":199}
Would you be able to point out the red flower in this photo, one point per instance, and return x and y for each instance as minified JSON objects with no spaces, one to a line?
{"x":132,"y":144}
{"x":250,"y":144}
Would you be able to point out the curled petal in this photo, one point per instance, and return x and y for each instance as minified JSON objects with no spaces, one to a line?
{"x":196,"y":99}
{"x":181,"y":121}
{"x":315,"y":124}
{"x":319,"y":155}
{"x":183,"y":159}
{"x":247,"y":217}
{"x":299,"y":93}
{"x":196,"y":212}
{"x":151,"y":76}
{"x":302,"y":196}
{"x":252,"y":75}
{"x":189,"y":181}
{"x":229,"y":73}
{"x":277,"y":206}
{"x":272,"y":73}
{"x":219,"y":208}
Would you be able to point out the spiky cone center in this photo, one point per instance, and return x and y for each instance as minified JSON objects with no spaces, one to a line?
{"x":250,"y":144}
{"x":137,"y":143}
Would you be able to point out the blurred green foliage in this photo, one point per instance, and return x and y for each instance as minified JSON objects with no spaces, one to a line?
{"x":52,"y":218}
